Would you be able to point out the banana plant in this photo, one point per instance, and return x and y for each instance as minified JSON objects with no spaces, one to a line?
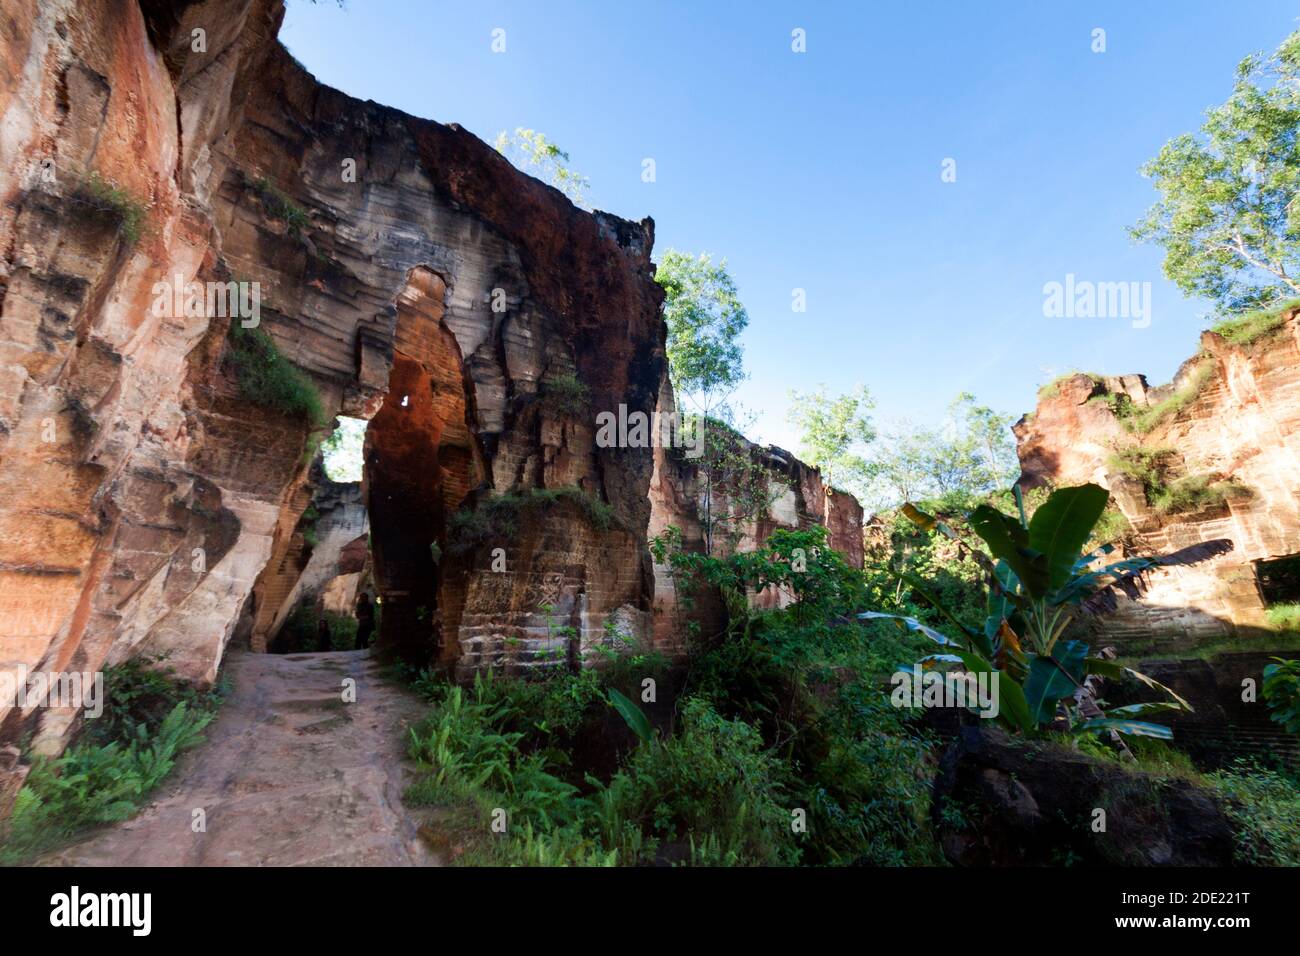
{"x":1040,"y":580}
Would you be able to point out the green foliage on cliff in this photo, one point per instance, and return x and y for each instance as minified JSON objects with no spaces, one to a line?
{"x":496,"y":519}
{"x":1253,"y":326}
{"x":108,"y":197}
{"x":268,"y":379}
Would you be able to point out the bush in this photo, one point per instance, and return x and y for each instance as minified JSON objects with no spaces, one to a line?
{"x":1145,"y":420}
{"x":298,"y":634}
{"x":119,"y":758}
{"x":1264,"y":806}
{"x":131,"y":214}
{"x":1249,"y":328}
{"x":267,"y":379}
{"x":1281,"y":691}
{"x":279,"y":206}
{"x":497,"y":518}
{"x":566,"y":393}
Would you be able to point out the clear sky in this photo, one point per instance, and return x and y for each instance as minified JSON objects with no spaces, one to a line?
{"x":822,"y":170}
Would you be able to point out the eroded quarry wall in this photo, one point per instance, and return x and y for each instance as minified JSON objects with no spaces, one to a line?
{"x":1238,"y":433}
{"x":474,"y":315}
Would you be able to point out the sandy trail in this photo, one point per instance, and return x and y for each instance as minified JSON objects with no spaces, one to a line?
{"x":288,"y":775}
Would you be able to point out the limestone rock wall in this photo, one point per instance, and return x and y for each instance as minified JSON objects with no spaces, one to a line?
{"x":145,"y":505}
{"x":798,"y":499}
{"x":1241,"y":430}
{"x":479,"y":320}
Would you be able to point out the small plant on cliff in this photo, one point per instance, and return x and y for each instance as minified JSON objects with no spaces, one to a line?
{"x":1254,"y":326}
{"x":1041,"y":581}
{"x":1227,"y":216}
{"x":497,"y":518}
{"x":268,"y":379}
{"x":1142,"y":421}
{"x":112,"y":200}
{"x":566,"y":393}
{"x":279,"y":206}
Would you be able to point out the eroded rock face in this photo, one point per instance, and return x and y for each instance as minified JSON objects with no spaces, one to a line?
{"x":143,"y":500}
{"x":1240,"y":431}
{"x":1000,"y":801}
{"x":148,"y":506}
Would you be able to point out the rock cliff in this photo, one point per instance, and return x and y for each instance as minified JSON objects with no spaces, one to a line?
{"x":1214,"y":454}
{"x":175,"y":184}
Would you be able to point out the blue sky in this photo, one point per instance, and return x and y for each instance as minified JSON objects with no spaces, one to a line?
{"x":822,"y":170}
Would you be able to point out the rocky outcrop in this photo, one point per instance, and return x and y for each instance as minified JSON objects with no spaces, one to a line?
{"x":1220,"y":462}
{"x":791,"y":495}
{"x":410,"y":271}
{"x":999,"y":801}
{"x":170,"y":176}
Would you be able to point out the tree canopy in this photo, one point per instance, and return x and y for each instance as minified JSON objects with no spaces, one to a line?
{"x":1228,"y":216}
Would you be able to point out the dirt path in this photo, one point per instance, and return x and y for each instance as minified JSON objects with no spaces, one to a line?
{"x":288,"y":775}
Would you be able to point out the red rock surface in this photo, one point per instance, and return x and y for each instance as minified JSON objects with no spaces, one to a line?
{"x":1243,"y":429}
{"x":147,"y":507}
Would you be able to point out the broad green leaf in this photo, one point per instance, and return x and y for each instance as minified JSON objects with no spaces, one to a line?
{"x":1105,"y":668}
{"x":633,"y":716}
{"x":1061,"y":527}
{"x":1009,"y":542}
{"x":1135,"y":728}
{"x":911,"y":624}
{"x":1054,"y":677}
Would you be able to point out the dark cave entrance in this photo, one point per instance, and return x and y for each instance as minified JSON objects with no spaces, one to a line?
{"x":1279,"y":580}
{"x":420,"y":462}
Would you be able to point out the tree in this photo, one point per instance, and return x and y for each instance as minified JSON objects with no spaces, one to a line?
{"x":1228,"y":215}
{"x":704,"y":317}
{"x":834,"y":432}
{"x":970,"y":456}
{"x":531,"y":151}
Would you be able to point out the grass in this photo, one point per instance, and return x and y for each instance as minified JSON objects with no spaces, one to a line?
{"x":279,"y":206}
{"x":1192,"y":493}
{"x":1142,"y":421}
{"x":497,"y":518}
{"x":131,"y":213}
{"x":1284,"y":617}
{"x":117,"y":760}
{"x":566,"y":393}
{"x":1053,"y":388}
{"x":268,"y":379}
{"x":1253,"y":326}
{"x":1264,"y":807}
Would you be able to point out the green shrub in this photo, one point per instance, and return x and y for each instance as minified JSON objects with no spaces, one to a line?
{"x":497,"y":518}
{"x":298,"y":634}
{"x":107,"y":774}
{"x":267,"y":379}
{"x":131,"y":214}
{"x":1249,"y":328}
{"x":1190,"y":493}
{"x":566,"y":393}
{"x":1142,"y":421}
{"x":1281,"y":691}
{"x":710,"y":794}
{"x":279,"y":206}
{"x":1264,"y":806}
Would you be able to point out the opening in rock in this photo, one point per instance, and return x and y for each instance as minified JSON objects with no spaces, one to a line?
{"x":420,"y":462}
{"x":1279,"y":580}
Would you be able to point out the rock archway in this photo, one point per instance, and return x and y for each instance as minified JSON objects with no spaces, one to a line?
{"x":421,"y":460}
